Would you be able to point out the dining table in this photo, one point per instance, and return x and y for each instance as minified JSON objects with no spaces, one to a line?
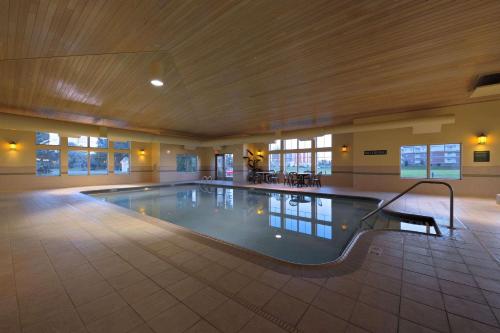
{"x":265,"y":175}
{"x":301,"y":178}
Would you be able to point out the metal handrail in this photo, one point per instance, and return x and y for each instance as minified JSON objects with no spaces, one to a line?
{"x":408,"y":190}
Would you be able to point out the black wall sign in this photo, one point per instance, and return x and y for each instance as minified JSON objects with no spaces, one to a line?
{"x":482,"y":156}
{"x":376,"y":152}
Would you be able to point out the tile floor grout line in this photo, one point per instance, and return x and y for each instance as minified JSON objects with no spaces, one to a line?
{"x":260,"y":312}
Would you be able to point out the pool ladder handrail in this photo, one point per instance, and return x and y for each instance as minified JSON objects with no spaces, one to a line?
{"x":375,"y":211}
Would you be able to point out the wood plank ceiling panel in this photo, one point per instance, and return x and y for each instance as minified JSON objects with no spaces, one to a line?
{"x":241,"y":66}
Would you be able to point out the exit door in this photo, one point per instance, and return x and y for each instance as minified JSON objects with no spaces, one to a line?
{"x":224,"y":166}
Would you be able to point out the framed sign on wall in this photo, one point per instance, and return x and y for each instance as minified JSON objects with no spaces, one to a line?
{"x":482,"y":156}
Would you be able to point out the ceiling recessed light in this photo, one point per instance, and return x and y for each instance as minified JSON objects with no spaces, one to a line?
{"x":157,"y":83}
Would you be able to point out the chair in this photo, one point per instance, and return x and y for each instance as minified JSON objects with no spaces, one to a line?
{"x":293,"y":179}
{"x":316,"y":180}
{"x":273,"y":177}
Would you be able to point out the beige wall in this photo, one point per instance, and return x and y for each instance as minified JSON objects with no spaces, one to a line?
{"x":165,"y":166}
{"x":18,"y":168}
{"x":479,"y":179}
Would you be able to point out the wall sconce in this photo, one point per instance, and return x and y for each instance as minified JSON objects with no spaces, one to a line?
{"x":260,"y":154}
{"x":12,"y":146}
{"x":142,"y":152}
{"x":344,"y":149}
{"x":481,"y":139}
{"x":344,"y":227}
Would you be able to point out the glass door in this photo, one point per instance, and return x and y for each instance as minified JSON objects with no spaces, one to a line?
{"x":228,"y":166}
{"x":224,"y":166}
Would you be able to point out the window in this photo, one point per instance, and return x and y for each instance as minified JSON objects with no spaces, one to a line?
{"x":304,"y":162}
{"x":98,"y":163}
{"x":442,"y":161}
{"x":276,"y":145}
{"x":414,"y":161}
{"x":307,"y":144}
{"x":123,"y":145}
{"x":324,"y":141}
{"x":445,"y":161}
{"x":291,"y":162}
{"x":82,"y":141}
{"x":291,"y":144}
{"x":98,"y":142}
{"x":324,"y":162}
{"x":122,"y":163}
{"x":187,"y":163}
{"x":48,"y":162}
{"x":49,"y":139}
{"x":274,"y":162}
{"x":77,"y":163}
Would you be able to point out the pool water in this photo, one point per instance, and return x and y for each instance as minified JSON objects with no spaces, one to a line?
{"x":298,"y":228}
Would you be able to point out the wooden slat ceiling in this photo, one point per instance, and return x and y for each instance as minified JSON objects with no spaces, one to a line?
{"x":241,"y":67}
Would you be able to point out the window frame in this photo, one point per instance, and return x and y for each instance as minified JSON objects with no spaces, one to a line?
{"x":428,"y":161}
{"x":269,"y":161}
{"x":316,"y":161}
{"x":177,"y":156}
{"x":46,"y":144}
{"x":36,"y":164}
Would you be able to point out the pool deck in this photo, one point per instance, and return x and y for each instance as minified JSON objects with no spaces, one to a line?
{"x":70,"y":263}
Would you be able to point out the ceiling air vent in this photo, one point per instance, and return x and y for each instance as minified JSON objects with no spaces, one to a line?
{"x":487,"y":85}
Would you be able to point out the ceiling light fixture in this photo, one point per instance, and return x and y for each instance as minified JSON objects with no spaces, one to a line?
{"x":157,"y":83}
{"x":156,"y":73}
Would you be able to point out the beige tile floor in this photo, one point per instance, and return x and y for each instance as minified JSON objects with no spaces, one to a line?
{"x":69,"y":263}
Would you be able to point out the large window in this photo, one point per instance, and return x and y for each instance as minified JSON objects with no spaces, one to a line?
{"x":98,"y":142}
{"x":48,"y":139}
{"x":81,"y":141}
{"x":304,"y":162}
{"x":77,"y":163}
{"x":442,"y":161}
{"x":98,"y":163}
{"x":48,"y":162}
{"x":290,"y":162}
{"x":414,"y":161}
{"x":324,"y":162}
{"x":274,"y":162}
{"x":445,"y":161}
{"x":122,"y":163}
{"x":276,"y":145}
{"x":302,"y":155}
{"x":291,"y":144}
{"x":306,"y":144}
{"x":324,"y":141}
{"x":187,"y":163}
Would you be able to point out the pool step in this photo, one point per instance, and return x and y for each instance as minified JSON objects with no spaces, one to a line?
{"x":384,"y":221}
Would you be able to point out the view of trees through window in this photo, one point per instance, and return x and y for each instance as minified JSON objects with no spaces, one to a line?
{"x":48,"y":162}
{"x":187,"y":163}
{"x":49,"y":139}
{"x":78,"y":163}
{"x":98,"y":163}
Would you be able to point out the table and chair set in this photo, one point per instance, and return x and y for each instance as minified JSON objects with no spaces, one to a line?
{"x":298,"y":179}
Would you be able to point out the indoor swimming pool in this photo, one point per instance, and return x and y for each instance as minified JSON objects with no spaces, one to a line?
{"x":294,"y":227}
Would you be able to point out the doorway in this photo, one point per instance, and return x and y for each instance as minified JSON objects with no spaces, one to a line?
{"x":224,"y":166}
